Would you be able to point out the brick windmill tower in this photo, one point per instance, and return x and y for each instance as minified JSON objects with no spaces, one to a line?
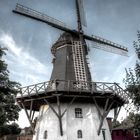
{"x":70,"y":105}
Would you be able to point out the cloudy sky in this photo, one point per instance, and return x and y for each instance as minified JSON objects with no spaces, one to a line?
{"x":29,"y":41}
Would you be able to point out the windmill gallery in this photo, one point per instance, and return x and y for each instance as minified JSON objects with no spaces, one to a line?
{"x":70,"y":105}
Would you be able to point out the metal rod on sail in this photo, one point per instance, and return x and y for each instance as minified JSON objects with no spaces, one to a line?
{"x":78,"y":17}
{"x":79,"y":23}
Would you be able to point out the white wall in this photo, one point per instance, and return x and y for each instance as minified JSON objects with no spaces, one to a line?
{"x":89,"y":124}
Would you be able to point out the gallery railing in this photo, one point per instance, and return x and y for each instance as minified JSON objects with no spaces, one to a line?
{"x":79,"y":87}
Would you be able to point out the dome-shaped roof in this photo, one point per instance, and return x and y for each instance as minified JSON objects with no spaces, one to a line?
{"x":65,"y":38}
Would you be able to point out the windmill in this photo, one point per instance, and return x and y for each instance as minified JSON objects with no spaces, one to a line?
{"x":70,"y":105}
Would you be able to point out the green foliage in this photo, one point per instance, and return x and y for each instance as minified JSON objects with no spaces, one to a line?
{"x":8,"y":90}
{"x":115,"y":124}
{"x":132,"y":83}
{"x":9,"y":129}
{"x":132,"y":80}
{"x":133,"y":120}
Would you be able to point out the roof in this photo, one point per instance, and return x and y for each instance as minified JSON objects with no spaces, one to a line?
{"x":123,"y":127}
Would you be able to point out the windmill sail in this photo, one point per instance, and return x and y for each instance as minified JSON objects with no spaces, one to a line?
{"x":107,"y":48}
{"x":98,"y":42}
{"x":82,"y":13}
{"x":20,"y":9}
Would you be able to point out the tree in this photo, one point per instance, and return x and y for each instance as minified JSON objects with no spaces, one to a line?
{"x":133,"y":121}
{"x":132,"y":80}
{"x":9,"y":129}
{"x":14,"y":128}
{"x":115,"y":124}
{"x":8,"y":90}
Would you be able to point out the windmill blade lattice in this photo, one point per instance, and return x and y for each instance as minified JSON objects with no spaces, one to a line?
{"x":26,"y":11}
{"x":107,"y":48}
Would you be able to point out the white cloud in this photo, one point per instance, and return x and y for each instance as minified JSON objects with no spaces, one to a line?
{"x":119,"y":73}
{"x":23,"y":67}
{"x":8,"y":42}
{"x":108,"y":67}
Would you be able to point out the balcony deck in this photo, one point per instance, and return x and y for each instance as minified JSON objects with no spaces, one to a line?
{"x":82,"y":91}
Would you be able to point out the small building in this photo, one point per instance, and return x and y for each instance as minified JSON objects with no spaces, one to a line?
{"x":125,"y":133}
{"x":9,"y":137}
{"x":25,"y":137}
{"x":26,"y":131}
{"x":25,"y":134}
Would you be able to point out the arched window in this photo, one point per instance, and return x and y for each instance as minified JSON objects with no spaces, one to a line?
{"x":103,"y":133}
{"x":45,"y":134}
{"x":78,"y":113}
{"x":79,"y":134}
{"x":136,"y":132}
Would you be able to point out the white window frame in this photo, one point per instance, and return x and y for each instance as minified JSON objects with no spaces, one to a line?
{"x":45,"y":136}
{"x":79,"y":134}
{"x":136,"y":131}
{"x":78,"y":113}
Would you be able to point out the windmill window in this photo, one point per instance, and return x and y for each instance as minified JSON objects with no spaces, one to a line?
{"x":103,"y":133}
{"x":45,"y":134}
{"x":136,"y":132}
{"x":79,"y":134}
{"x":78,"y":113}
